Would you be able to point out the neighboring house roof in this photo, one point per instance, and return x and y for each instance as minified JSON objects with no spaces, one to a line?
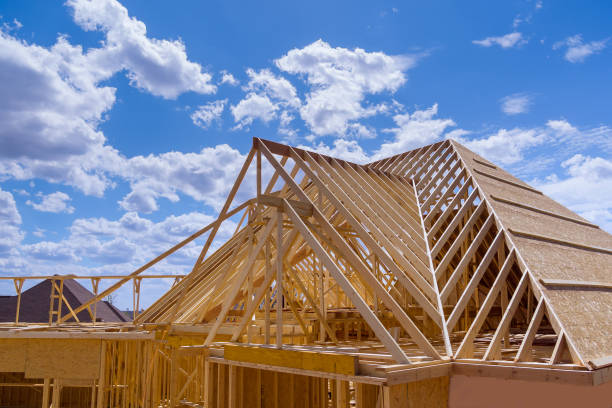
{"x":34,"y":306}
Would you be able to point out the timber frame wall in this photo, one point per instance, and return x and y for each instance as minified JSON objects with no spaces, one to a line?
{"x":345,"y":284}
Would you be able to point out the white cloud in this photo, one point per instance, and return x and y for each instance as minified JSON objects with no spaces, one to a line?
{"x":577,"y":50}
{"x":414,"y":130}
{"x":205,"y":176}
{"x":10,"y":221}
{"x":57,"y":102}
{"x":514,"y":39}
{"x":267,"y":95}
{"x":515,"y":104}
{"x":349,"y":150}
{"x":254,"y":106}
{"x":587,"y":189}
{"x":55,"y":202}
{"x":340,"y":79}
{"x":228,"y":78}
{"x":562,"y":126}
{"x":506,"y":146}
{"x":204,"y":115}
{"x":277,"y":88}
{"x":158,"y":66}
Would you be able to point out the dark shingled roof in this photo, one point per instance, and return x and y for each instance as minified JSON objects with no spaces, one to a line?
{"x":35,"y":304}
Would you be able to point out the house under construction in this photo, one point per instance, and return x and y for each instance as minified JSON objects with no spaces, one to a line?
{"x":432,"y":278}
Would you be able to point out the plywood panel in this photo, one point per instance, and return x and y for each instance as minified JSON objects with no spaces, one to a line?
{"x":62,"y":358}
{"x":12,"y":355}
{"x":306,"y":360}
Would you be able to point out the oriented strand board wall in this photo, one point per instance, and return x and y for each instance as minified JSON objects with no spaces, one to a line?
{"x":481,"y":392}
{"x":432,"y":393}
{"x":62,"y":358}
{"x":12,"y":355}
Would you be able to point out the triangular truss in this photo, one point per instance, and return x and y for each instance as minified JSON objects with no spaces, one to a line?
{"x":432,"y":254}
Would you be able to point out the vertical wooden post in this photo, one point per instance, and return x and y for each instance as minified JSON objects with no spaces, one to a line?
{"x":395,"y":396}
{"x":504,"y":306}
{"x":102,"y":376}
{"x":279,"y":279}
{"x":322,"y":300}
{"x":45,"y":396}
{"x":233,"y":391}
{"x":267,"y":299}
{"x":94,"y":285}
{"x":342,"y":394}
{"x":57,"y":390}
{"x":18,"y":286}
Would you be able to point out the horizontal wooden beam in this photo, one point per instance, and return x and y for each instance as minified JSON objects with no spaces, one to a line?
{"x":539,"y":237}
{"x":568,"y":283}
{"x":346,"y":364}
{"x":509,"y":182}
{"x":304,"y":209}
{"x":541,"y":211}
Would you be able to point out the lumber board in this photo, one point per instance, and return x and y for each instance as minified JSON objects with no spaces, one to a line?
{"x":304,"y":360}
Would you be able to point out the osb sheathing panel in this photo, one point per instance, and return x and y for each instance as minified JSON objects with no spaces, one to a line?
{"x":12,"y":356}
{"x":553,"y":261}
{"x":469,"y":157}
{"x":586,"y":314}
{"x":431,"y":393}
{"x":587,"y":318}
{"x":502,"y":190}
{"x":62,"y":358}
{"x":524,"y":220}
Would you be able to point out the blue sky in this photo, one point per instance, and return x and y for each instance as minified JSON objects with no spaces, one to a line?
{"x":123,"y":124}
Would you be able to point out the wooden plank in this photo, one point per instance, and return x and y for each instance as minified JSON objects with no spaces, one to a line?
{"x":279,"y":278}
{"x":465,"y":348}
{"x":458,"y":271}
{"x":363,"y":308}
{"x":237,"y":283}
{"x":495,"y":345}
{"x":524,"y":352}
{"x":541,"y":211}
{"x":569,"y":283}
{"x":509,"y":182}
{"x":475,"y":280}
{"x":304,"y":360}
{"x":540,"y":237}
{"x":62,"y":358}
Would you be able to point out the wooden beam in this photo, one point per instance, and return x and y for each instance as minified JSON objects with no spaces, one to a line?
{"x":378,"y":328}
{"x":524,"y":352}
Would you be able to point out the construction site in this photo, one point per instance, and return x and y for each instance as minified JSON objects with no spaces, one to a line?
{"x":432,"y":278}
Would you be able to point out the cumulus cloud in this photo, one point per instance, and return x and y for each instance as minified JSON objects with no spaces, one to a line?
{"x":349,"y":150}
{"x":160,"y":67}
{"x":254,"y":106}
{"x":205,"y":176}
{"x":506,"y":146}
{"x":276,"y":87}
{"x":58,"y":103}
{"x":514,"y":39}
{"x":586,"y":189}
{"x":55,"y":202}
{"x":414,"y":130}
{"x":268,"y":94}
{"x":576,"y":50}
{"x":10,"y":222}
{"x":340,"y":79}
{"x":228,"y":78}
{"x":515,"y":104}
{"x":204,"y":115}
